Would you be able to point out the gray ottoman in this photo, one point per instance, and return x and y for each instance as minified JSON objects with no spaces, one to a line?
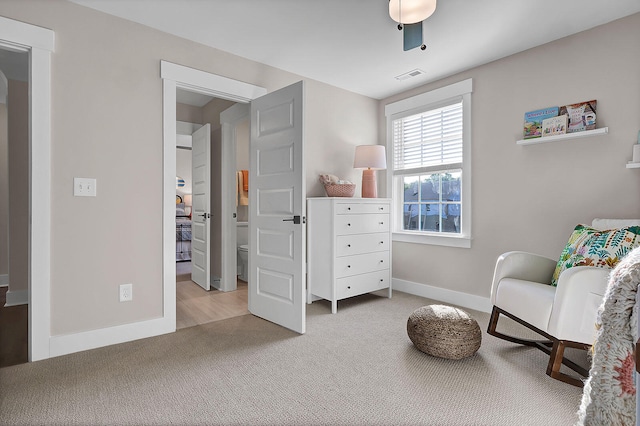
{"x":444,"y":331}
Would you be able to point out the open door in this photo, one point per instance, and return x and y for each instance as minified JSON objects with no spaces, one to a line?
{"x":200,"y":215}
{"x":277,"y":197}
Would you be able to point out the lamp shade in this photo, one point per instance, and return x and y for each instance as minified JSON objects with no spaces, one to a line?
{"x":370,"y":157}
{"x":411,"y":11}
{"x":188,"y":200}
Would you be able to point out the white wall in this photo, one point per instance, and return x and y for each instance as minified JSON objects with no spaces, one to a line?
{"x":531,"y":197}
{"x":183,"y":169}
{"x":107,"y":124}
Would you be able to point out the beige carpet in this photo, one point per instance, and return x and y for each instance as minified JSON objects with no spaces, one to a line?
{"x":357,"y":367}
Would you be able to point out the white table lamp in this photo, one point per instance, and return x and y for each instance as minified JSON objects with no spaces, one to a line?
{"x":370,"y":158}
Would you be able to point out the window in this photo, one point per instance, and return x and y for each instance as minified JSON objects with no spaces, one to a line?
{"x":429,"y":178}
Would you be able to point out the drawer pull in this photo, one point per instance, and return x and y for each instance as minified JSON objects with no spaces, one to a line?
{"x":348,"y":208}
{"x":348,"y":245}
{"x":348,"y":266}
{"x":381,"y":242}
{"x":348,"y":287}
{"x":381,"y":223}
{"x":348,"y":224}
{"x":381,"y":280}
{"x":382,"y":261}
{"x":380,"y":208}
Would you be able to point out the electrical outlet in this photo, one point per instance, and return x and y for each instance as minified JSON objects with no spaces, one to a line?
{"x":126,"y":292}
{"x":84,"y":187}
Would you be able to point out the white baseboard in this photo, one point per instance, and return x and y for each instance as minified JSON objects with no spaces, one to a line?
{"x":70,"y":343}
{"x":466,"y":300}
{"x":15,"y":298}
{"x":4,"y":280}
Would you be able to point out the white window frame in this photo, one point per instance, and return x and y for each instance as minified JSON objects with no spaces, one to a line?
{"x":415,"y":105}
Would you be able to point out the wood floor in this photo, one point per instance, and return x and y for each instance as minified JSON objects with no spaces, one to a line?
{"x":194,"y":306}
{"x":14,"y":332}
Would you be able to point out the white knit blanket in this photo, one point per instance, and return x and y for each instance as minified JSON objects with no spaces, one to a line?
{"x":609,"y":395}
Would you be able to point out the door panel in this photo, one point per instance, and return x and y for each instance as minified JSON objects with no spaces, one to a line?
{"x":276,"y":244}
{"x":201,"y":190}
{"x":277,"y":194}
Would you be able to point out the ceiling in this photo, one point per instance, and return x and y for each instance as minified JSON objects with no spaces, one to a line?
{"x":354,"y":44}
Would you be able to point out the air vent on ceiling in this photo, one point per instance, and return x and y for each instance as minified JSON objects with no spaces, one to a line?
{"x":410,"y":74}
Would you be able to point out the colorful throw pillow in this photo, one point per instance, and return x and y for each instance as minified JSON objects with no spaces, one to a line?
{"x":591,"y":247}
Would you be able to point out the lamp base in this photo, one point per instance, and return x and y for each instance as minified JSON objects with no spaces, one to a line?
{"x":369,"y":184}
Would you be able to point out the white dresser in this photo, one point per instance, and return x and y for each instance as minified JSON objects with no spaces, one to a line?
{"x":348,"y":247}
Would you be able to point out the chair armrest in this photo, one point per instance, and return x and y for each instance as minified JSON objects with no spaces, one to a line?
{"x":575,"y":307}
{"x":523,"y":266}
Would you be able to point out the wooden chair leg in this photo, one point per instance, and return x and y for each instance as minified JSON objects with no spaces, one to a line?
{"x":556,"y":359}
{"x":555,"y":348}
{"x":543,"y":345}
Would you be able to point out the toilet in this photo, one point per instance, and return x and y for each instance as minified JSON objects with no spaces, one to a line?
{"x":243,"y":253}
{"x":242,"y":238}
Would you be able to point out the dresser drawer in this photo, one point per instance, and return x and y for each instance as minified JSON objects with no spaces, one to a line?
{"x":361,"y":223}
{"x":360,"y":284}
{"x":346,"y":245}
{"x":355,"y":208}
{"x":361,"y":263}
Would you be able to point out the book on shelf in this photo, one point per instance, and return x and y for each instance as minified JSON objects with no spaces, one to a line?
{"x":582,"y":116}
{"x":533,"y":121}
{"x":554,"y":125}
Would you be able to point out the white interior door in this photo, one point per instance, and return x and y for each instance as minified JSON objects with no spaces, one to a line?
{"x":277,"y":208}
{"x":200,"y":211}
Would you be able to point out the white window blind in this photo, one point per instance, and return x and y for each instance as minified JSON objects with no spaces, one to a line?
{"x":430,"y":138}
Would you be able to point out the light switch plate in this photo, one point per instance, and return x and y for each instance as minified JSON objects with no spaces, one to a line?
{"x":84,"y":187}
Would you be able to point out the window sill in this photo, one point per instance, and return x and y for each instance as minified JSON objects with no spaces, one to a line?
{"x":435,"y":240}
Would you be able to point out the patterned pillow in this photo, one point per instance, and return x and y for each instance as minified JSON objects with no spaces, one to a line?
{"x":590,"y":247}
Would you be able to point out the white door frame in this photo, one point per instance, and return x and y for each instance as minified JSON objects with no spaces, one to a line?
{"x":39,"y":43}
{"x":178,"y":76}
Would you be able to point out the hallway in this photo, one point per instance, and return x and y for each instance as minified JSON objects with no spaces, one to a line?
{"x":196,"y":306}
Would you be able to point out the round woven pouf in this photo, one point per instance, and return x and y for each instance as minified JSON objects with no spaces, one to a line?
{"x":444,"y":331}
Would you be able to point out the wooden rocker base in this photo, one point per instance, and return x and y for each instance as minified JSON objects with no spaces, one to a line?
{"x":552,"y":347}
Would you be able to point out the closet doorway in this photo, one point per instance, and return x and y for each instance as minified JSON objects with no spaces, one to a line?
{"x":14,"y":223}
{"x":194,"y":305}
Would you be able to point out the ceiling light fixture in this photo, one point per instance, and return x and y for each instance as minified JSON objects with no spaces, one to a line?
{"x":411,"y":11}
{"x":409,"y":14}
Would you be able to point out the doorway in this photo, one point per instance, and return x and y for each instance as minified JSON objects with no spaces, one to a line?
{"x":276,"y":289}
{"x":194,"y":305}
{"x":14,"y":225}
{"x":38,"y":44}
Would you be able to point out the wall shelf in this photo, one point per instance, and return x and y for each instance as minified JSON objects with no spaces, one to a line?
{"x":566,"y":136}
{"x":632,"y":165}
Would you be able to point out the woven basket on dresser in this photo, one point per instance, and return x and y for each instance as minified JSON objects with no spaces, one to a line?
{"x":340,"y":189}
